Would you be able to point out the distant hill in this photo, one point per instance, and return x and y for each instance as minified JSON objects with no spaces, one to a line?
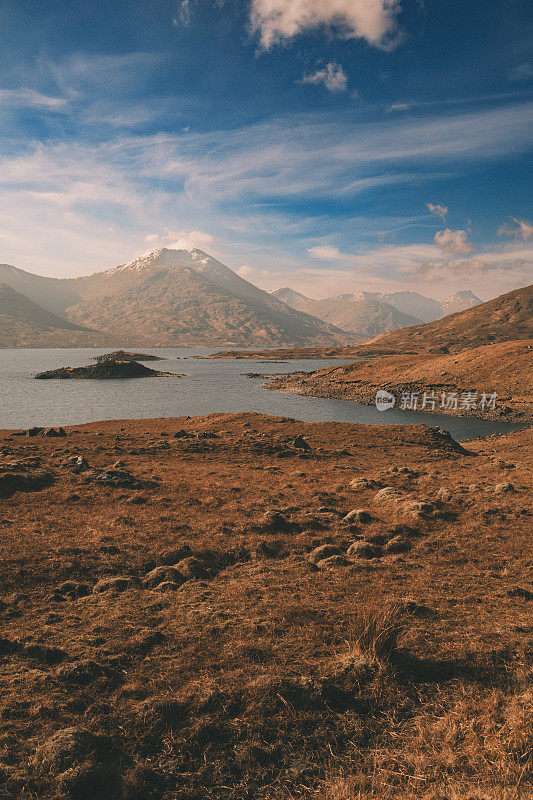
{"x":362,"y":314}
{"x":414,"y":306}
{"x":23,"y":323}
{"x":505,"y":318}
{"x":172,"y":297}
{"x":460,"y":302}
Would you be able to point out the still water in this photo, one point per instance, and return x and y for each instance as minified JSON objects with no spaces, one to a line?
{"x":208,"y":386}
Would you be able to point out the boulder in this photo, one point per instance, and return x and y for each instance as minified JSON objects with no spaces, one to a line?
{"x":191,"y":568}
{"x":358,"y":515}
{"x":502,"y":488}
{"x":301,"y":444}
{"x":398,"y":544}
{"x":160,"y":575}
{"x":333,"y":562}
{"x":120,"y":583}
{"x":323,"y":552}
{"x":364,"y":550}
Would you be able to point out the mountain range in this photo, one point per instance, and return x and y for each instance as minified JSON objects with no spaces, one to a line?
{"x":165,"y":298}
{"x":186,"y":297}
{"x":368,"y":314}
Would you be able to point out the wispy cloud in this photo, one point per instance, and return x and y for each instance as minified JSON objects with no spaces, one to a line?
{"x":438,"y":210}
{"x":280,"y":20}
{"x":398,"y":107}
{"x":28,"y":98}
{"x":332,"y":76}
{"x":521,"y":73}
{"x":521,"y":229}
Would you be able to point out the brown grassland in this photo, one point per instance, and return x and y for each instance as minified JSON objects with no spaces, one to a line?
{"x":247,"y":666}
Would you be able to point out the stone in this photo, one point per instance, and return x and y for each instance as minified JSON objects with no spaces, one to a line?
{"x":358,"y":515}
{"x":363,"y":483}
{"x":160,"y":575}
{"x":71,"y":590}
{"x":444,"y":495}
{"x":502,"y":488}
{"x":398,"y":544}
{"x":519,"y":591}
{"x":323,"y":552}
{"x":364,"y":550}
{"x":168,"y":586}
{"x":191,"y":567}
{"x":333,"y":562}
{"x":389,"y":494}
{"x":301,"y":444}
{"x":274,"y":520}
{"x":120,"y":583}
{"x":52,"y":432}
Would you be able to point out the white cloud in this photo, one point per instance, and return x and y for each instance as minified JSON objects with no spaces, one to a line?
{"x":453,"y":241}
{"x":31,"y":99}
{"x":520,"y":230}
{"x":152,"y":238}
{"x":184,"y":13}
{"x":437,"y":210}
{"x":326,"y":253}
{"x":245,"y":271}
{"x":398,"y":107}
{"x":190,"y":239}
{"x":332,"y":76}
{"x":279,"y":20}
{"x":522,"y":72}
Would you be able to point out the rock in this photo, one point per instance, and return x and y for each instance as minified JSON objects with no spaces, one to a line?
{"x":172,"y":555}
{"x":410,"y":606}
{"x":274,"y":521}
{"x":52,"y":432}
{"x":358,"y":515}
{"x":191,"y":568}
{"x":145,"y":641}
{"x":502,"y":488}
{"x":418,"y":508}
{"x":301,"y":444}
{"x":333,"y":562}
{"x":364,"y":550}
{"x":160,"y":575}
{"x":444,"y":495}
{"x":474,"y":487}
{"x":80,"y":464}
{"x":323,"y":552}
{"x":119,"y":583}
{"x":389,"y":494}
{"x":35,"y":431}
{"x":71,"y":590}
{"x":398,"y":544}
{"x":183,"y":435}
{"x":168,"y":586}
{"x":69,"y":747}
{"x":364,"y":483}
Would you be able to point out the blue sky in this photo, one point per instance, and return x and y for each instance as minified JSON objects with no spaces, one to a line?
{"x":329,"y":145}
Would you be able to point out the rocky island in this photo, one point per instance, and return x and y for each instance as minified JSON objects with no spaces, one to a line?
{"x":111,"y":366}
{"x":124,"y":355}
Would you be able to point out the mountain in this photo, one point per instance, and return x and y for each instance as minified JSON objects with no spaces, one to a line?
{"x":174,"y":297}
{"x":415,"y":305}
{"x":363,"y":314}
{"x":460,"y":301}
{"x":505,"y":318}
{"x":23,"y":323}
{"x":291,"y":298}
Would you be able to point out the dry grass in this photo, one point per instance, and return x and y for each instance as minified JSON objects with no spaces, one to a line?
{"x":265,"y":678}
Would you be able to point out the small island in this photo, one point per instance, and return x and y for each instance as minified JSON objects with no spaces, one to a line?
{"x":108,"y":367}
{"x":123,"y":355}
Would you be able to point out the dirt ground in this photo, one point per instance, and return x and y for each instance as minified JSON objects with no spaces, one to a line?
{"x":171,"y":630}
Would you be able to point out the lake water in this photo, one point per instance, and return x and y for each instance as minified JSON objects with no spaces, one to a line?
{"x":209,"y":386}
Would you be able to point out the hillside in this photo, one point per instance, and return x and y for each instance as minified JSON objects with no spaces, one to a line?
{"x":250,"y":642}
{"x":171,"y":298}
{"x":23,"y":323}
{"x":507,"y":317}
{"x":504,"y":368}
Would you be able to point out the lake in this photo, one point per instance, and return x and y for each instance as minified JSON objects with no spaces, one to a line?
{"x":209,"y":386}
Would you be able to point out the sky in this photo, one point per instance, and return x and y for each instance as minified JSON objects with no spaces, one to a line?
{"x":328,"y":145}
